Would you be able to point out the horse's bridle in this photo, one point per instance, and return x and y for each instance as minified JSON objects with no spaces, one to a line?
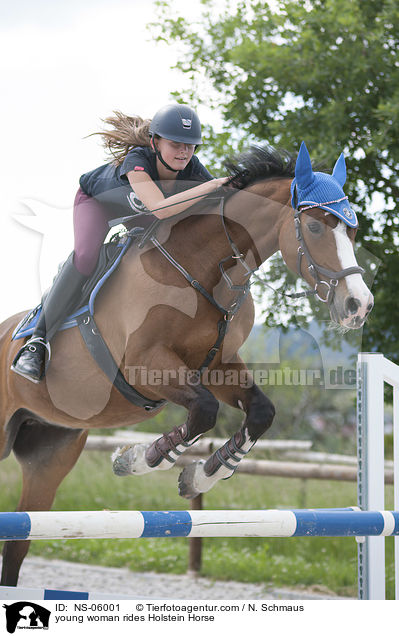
{"x":314,"y":268}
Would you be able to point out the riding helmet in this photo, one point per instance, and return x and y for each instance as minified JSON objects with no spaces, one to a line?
{"x":177,"y":122}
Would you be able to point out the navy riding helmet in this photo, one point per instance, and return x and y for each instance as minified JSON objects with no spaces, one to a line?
{"x":176,"y":122}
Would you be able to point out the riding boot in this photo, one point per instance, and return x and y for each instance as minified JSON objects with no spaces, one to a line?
{"x":61,"y":298}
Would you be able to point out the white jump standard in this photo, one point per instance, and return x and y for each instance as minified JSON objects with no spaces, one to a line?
{"x":343,"y":522}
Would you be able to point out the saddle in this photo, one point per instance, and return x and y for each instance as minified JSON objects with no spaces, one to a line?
{"x":82,"y":315}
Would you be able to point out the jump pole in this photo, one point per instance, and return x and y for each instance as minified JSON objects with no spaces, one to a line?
{"x":349,"y":522}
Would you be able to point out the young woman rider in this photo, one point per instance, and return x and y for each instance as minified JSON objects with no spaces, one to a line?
{"x":154,"y":164}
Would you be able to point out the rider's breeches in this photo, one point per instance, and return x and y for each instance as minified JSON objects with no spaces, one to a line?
{"x":90,"y":224}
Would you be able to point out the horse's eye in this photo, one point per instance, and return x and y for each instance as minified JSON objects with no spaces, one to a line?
{"x":315,"y":227}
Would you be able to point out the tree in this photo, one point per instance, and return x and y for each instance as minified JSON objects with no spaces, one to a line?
{"x":326,"y":71}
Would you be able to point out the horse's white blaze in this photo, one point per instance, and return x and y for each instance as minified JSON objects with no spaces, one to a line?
{"x":357,"y":288}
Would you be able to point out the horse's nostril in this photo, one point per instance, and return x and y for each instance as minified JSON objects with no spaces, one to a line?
{"x":370,"y":306}
{"x":352,"y":305}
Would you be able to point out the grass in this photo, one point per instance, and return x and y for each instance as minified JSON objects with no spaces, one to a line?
{"x":318,"y":563}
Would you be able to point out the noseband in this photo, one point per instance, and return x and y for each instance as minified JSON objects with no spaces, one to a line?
{"x":316,"y":270}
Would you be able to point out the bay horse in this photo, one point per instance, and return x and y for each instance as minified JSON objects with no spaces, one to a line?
{"x":158,"y":327}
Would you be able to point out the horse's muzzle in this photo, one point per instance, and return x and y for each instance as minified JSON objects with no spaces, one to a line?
{"x":353,"y":311}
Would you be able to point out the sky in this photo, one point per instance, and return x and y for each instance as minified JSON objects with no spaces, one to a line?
{"x":63,"y":67}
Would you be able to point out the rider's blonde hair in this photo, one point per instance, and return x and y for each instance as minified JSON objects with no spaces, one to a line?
{"x":126,"y":133}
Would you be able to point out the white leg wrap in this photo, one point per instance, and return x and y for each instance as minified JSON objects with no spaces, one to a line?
{"x":193,"y":480}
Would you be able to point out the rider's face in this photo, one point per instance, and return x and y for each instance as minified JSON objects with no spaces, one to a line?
{"x":177,"y":155}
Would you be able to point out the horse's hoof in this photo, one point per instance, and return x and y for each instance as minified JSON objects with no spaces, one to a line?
{"x":187,"y":480}
{"x":130,"y":460}
{"x":120,"y":464}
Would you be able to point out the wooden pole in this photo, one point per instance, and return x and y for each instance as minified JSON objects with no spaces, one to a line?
{"x":195,"y":543}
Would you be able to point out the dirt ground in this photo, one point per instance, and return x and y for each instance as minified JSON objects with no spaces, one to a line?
{"x":38,"y":573}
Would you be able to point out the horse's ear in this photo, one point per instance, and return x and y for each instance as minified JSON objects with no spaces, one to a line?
{"x":339,"y":172}
{"x":303,"y":169}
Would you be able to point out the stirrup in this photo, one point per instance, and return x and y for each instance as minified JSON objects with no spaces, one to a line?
{"x":41,"y":341}
{"x":26,"y":347}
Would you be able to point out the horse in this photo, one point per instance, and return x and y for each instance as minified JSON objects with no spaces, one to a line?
{"x":181,"y":298}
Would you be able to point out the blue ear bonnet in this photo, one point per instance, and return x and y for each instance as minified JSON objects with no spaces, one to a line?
{"x":321,"y":190}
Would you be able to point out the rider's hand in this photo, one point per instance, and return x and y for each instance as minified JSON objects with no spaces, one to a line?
{"x":220,"y":182}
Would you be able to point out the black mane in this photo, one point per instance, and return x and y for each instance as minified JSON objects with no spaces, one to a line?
{"x":260,"y":162}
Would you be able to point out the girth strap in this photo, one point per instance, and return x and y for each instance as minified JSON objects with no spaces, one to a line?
{"x":102,"y":355}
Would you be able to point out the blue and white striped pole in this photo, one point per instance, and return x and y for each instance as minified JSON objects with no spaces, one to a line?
{"x":197,"y":523}
{"x":34,"y":594}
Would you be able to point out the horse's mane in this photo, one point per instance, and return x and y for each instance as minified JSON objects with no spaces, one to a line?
{"x":260,"y":162}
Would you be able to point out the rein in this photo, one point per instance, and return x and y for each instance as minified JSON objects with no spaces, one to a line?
{"x":228,"y":314}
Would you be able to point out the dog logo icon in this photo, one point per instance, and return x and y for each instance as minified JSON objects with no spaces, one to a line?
{"x":26,"y":615}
